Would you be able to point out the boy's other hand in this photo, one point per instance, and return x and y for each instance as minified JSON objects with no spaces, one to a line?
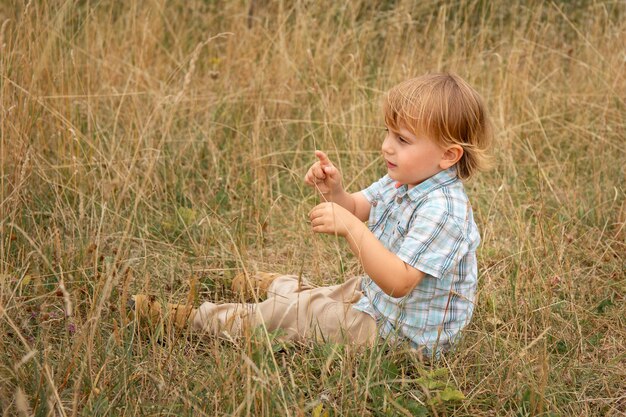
{"x":323,"y":175}
{"x":332,"y":219}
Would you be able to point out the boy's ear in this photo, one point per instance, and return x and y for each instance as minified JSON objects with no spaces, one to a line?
{"x":451,"y":156}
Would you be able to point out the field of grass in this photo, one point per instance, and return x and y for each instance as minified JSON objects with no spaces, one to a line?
{"x":159,"y":146}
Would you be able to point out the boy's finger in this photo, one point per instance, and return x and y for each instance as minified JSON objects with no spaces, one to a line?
{"x":323,"y":158}
{"x":312,"y":177}
{"x":317,"y":222}
{"x":330,"y":170}
{"x":319,"y":172}
{"x":318,"y":207}
{"x":315,"y":212}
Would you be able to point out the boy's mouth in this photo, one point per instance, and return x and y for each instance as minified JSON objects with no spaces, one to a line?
{"x":390,"y":165}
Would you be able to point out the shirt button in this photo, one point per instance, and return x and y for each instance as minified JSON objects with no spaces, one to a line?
{"x":398,"y":199}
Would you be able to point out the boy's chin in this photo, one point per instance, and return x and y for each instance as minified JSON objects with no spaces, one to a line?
{"x":395,"y":177}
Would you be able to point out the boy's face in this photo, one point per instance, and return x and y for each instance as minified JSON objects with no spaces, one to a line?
{"x":411,"y":159}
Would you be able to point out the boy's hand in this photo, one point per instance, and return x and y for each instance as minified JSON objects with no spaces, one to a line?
{"x":332,"y":219}
{"x":323,"y":175}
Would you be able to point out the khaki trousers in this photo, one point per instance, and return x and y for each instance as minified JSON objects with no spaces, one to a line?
{"x":299,"y":310}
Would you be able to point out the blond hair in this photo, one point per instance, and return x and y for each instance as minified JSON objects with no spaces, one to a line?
{"x":448,"y":110}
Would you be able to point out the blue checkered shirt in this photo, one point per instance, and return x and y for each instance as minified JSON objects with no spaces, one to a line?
{"x":431,"y":228}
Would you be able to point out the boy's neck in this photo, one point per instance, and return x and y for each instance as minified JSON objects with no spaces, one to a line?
{"x":410,"y":186}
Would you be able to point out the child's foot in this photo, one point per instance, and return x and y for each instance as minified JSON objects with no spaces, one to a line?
{"x":253,"y":285}
{"x":149,"y":312}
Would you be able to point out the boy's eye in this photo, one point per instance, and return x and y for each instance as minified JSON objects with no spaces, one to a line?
{"x":401,"y":139}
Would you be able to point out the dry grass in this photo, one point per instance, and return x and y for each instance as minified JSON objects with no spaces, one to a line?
{"x":146,"y":144}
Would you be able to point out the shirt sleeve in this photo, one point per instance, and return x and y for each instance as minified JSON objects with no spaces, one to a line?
{"x":435,"y":241}
{"x":371,"y":192}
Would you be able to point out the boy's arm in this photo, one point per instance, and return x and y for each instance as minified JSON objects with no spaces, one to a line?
{"x":390,"y":273}
{"x":362,"y":206}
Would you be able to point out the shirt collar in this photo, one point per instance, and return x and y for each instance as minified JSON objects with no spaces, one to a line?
{"x":445,"y":177}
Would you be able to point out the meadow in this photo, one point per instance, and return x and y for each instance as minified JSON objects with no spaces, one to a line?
{"x":160,"y":147}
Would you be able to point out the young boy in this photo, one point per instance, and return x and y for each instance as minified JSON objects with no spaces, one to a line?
{"x":418,"y":250}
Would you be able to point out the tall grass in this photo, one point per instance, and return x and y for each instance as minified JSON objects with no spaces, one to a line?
{"x":155,"y":146}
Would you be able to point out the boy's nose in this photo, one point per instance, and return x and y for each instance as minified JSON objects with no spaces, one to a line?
{"x":386,"y":146}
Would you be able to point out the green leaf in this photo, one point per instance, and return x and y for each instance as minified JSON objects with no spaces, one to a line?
{"x":595,"y":339}
{"x":389,"y":369}
{"x":451,"y":394}
{"x":561,"y":347}
{"x":319,"y":411}
{"x":415,"y":408}
{"x":430,"y":383}
{"x":603,"y":306}
{"x":26,"y":280}
{"x":187,"y":215}
{"x":440,"y":373}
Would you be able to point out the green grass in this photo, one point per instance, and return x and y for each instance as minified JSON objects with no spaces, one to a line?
{"x":148,"y":144}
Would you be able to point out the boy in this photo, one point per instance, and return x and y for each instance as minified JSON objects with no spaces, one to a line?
{"x":418,"y":250}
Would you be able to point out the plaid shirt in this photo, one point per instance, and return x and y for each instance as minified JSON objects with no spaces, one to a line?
{"x":430,"y":227}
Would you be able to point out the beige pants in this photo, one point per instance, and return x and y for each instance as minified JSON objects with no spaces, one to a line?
{"x":299,"y":310}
